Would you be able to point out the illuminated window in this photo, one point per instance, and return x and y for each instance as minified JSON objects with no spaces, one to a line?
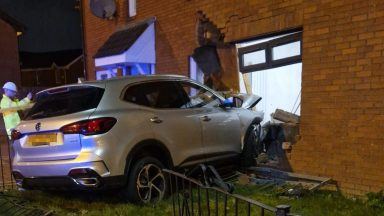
{"x":195,"y":72}
{"x":131,"y":8}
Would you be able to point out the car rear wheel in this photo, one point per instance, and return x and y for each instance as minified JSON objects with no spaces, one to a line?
{"x":146,"y":181}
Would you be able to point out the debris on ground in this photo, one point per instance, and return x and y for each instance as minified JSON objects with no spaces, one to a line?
{"x":270,"y":142}
{"x":262,"y":158}
{"x":209,"y":177}
{"x":267,"y":147}
{"x":291,"y":184}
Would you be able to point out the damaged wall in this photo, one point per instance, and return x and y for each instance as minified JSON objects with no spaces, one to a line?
{"x":342,"y":111}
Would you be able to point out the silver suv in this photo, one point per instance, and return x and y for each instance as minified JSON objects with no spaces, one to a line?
{"x":122,"y":132}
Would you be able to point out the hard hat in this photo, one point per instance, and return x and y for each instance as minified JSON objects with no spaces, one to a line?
{"x":10,"y":86}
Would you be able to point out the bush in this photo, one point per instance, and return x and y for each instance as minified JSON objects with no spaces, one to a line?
{"x":376,"y":200}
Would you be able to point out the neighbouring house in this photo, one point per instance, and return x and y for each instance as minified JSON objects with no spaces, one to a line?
{"x":10,"y":31}
{"x":322,"y":60}
{"x":51,"y":50}
{"x":51,"y":68}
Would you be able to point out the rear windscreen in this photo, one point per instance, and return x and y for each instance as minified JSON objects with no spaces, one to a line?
{"x":63,"y":101}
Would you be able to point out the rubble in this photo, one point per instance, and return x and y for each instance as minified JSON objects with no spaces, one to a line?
{"x":277,"y":138}
{"x":292,"y":184}
{"x":286,"y":117}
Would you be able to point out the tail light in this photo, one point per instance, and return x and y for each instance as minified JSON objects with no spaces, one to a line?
{"x":15,"y":135}
{"x":90,"y":126}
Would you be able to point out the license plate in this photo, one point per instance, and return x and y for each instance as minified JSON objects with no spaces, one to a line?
{"x":42,"y":139}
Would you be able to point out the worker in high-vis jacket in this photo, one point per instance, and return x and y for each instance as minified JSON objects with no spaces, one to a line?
{"x":9,"y":100}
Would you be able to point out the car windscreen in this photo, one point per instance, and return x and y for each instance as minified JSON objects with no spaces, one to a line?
{"x":63,"y":101}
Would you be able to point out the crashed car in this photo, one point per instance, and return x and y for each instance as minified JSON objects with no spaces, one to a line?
{"x":122,"y":132}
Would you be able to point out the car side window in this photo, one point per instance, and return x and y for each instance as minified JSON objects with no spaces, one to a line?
{"x":198,"y":96}
{"x":159,"y":94}
{"x":137,"y":94}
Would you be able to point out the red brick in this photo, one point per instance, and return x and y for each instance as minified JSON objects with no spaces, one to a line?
{"x":359,"y":17}
{"x":9,"y":56}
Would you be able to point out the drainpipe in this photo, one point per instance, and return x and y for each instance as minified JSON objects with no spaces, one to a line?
{"x":81,"y":9}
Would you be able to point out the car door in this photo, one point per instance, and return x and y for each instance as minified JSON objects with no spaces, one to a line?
{"x":178,"y":128}
{"x":220,"y":126}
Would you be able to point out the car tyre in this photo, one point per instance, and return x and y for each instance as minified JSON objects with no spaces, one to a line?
{"x":146,"y":181}
{"x":252,"y":145}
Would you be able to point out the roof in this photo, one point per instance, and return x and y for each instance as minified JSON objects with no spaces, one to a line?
{"x":31,"y":60}
{"x":123,"y":39}
{"x":18,"y":26}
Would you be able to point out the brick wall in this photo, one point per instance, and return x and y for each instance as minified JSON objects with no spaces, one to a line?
{"x":9,"y":55}
{"x":342,"y":85}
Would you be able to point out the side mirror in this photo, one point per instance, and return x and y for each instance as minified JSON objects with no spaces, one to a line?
{"x":237,"y":102}
{"x":232,"y":102}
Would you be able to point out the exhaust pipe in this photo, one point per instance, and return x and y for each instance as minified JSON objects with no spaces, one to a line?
{"x":18,"y":178}
{"x":88,"y":182}
{"x":85,"y":177}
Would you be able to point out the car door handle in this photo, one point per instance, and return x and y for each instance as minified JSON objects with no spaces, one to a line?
{"x":205,"y":118}
{"x":156,"y":120}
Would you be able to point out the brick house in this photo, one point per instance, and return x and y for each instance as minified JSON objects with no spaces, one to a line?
{"x":10,"y":30}
{"x":330,"y":52}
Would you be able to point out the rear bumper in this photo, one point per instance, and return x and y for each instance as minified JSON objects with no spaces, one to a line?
{"x":56,"y":175}
{"x":57,"y":168}
{"x":69,"y":183}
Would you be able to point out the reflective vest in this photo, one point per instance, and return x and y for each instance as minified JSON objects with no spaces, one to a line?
{"x":11,"y":118}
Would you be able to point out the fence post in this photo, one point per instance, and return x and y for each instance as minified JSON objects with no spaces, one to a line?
{"x":282,"y":210}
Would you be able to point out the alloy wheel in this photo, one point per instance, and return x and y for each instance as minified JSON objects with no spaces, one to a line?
{"x":150,"y":183}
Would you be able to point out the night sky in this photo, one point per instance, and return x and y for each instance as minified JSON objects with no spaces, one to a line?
{"x":52,"y":25}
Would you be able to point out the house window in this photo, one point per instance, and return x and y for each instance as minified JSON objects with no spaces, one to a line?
{"x":195,"y":72}
{"x":104,"y":74}
{"x":271,"y":68}
{"x":275,"y":52}
{"x":286,"y":51}
{"x":131,"y":8}
{"x":254,"y":58}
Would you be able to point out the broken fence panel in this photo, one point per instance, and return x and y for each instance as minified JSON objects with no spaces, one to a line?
{"x":191,"y":197}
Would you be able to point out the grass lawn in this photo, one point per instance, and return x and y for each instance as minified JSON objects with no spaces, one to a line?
{"x":318,"y":203}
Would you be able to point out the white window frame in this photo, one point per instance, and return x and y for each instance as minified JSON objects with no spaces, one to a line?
{"x":268,"y":47}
